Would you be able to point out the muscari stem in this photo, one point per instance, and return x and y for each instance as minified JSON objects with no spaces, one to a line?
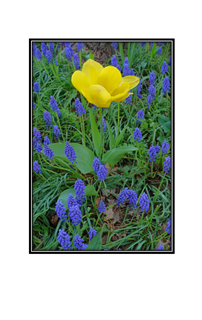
{"x":60,"y":126}
{"x":118,"y":119}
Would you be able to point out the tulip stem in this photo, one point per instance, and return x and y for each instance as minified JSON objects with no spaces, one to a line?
{"x":118,"y":120}
{"x":101,"y":131}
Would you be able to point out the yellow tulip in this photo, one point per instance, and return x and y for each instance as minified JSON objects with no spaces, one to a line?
{"x":100,"y":86}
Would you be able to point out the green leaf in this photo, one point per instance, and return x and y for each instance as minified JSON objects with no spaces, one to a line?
{"x":165,"y":122}
{"x":121,"y":51}
{"x":95,"y":133}
{"x":161,"y":139}
{"x":111,"y":137}
{"x":89,"y":191}
{"x":129,"y":53}
{"x":84,"y":155}
{"x":91,"y":56}
{"x":132,"y":54}
{"x":113,"y":156}
{"x":120,"y":136}
{"x":153,"y":50}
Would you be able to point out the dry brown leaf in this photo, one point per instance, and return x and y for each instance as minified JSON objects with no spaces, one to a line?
{"x":112,"y":215}
{"x":55,"y":220}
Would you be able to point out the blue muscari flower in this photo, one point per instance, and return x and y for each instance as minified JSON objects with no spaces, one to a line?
{"x":149,"y":99}
{"x":169,"y":63}
{"x":104,"y":126}
{"x":48,"y":152}
{"x":114,"y":45}
{"x":129,"y":99}
{"x":92,"y":232}
{"x":96,"y":165}
{"x":34,"y":48}
{"x":75,"y":214}
{"x":79,"y":107}
{"x":49,"y":56}
{"x":140,"y":115}
{"x":70,"y":153}
{"x":67,"y":44}
{"x":165,"y":147}
{"x":47,"y":119}
{"x":79,"y":46}
{"x":102,"y":172}
{"x":62,"y":43}
{"x":144,"y":202}
{"x":101,"y":207}
{"x":57,"y":132}
{"x":33,"y":105}
{"x":151,"y":43}
{"x":131,"y":72}
{"x":37,"y":134}
{"x":159,"y":51}
{"x":95,"y":107}
{"x":53,"y":104}
{"x":158,"y":148}
{"x":36,"y":87}
{"x":69,"y":52}
{"x":64,"y":240}
{"x":79,"y":188}
{"x":38,"y":54}
{"x":78,"y":243}
{"x":119,"y":249}
{"x":152,"y":78}
{"x":152,"y":154}
{"x":76,"y":61}
{"x":123,"y":196}
{"x":46,"y":140}
{"x":43,"y":48}
{"x":137,"y":135}
{"x":71,"y":201}
{"x":51,"y":46}
{"x":166,"y":85}
{"x":152,"y":90}
{"x":114,"y":63}
{"x":164,"y":68}
{"x":38,"y":148}
{"x":36,"y":167}
{"x":60,"y":210}
{"x":167,"y":165}
{"x":132,"y":199}
{"x":58,"y":112}
{"x":142,"y":44}
{"x":168,"y":227}
{"x":34,"y":143}
{"x":139,"y":90}
{"x":56,"y":62}
{"x":160,"y":247}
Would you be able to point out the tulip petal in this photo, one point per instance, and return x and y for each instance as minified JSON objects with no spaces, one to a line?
{"x":98,"y":96}
{"x":120,"y":93}
{"x":131,"y":80}
{"x":109,"y":78}
{"x":80,"y":81}
{"x":92,"y":69}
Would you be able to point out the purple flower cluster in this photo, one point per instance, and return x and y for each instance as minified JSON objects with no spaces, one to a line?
{"x":43,"y":48}
{"x":69,"y":53}
{"x":79,"y":187}
{"x":123,"y":196}
{"x":38,"y":54}
{"x":48,"y":152}
{"x":140,"y":115}
{"x":57,"y":132}
{"x":160,"y":247}
{"x":70,"y":153}
{"x":38,"y":148}
{"x":114,"y":45}
{"x":104,"y":126}
{"x":166,"y":85}
{"x":101,"y":207}
{"x":149,"y":100}
{"x":152,"y":154}
{"x":71,"y":201}
{"x":46,"y":140}
{"x":129,"y":99}
{"x":92,"y":232}
{"x":53,"y":103}
{"x":137,"y":135}
{"x":144,"y":202}
{"x":75,"y":215}
{"x":76,"y":61}
{"x":37,"y":134}
{"x":60,"y":210}
{"x":64,"y":240}
{"x":152,"y":78}
{"x":36,"y":87}
{"x":47,"y":119}
{"x":164,"y":68}
{"x":79,"y":107}
{"x":126,"y":70}
{"x":114,"y":63}
{"x":152,"y":90}
{"x":79,"y":243}
{"x":158,"y":148}
{"x":167,"y":165}
{"x":159,"y":51}
{"x":165,"y":147}
{"x":132,"y":199}
{"x":79,"y":46}
{"x":36,"y":167}
{"x":100,"y":169}
{"x":168,"y":227}
{"x":139,"y":90}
